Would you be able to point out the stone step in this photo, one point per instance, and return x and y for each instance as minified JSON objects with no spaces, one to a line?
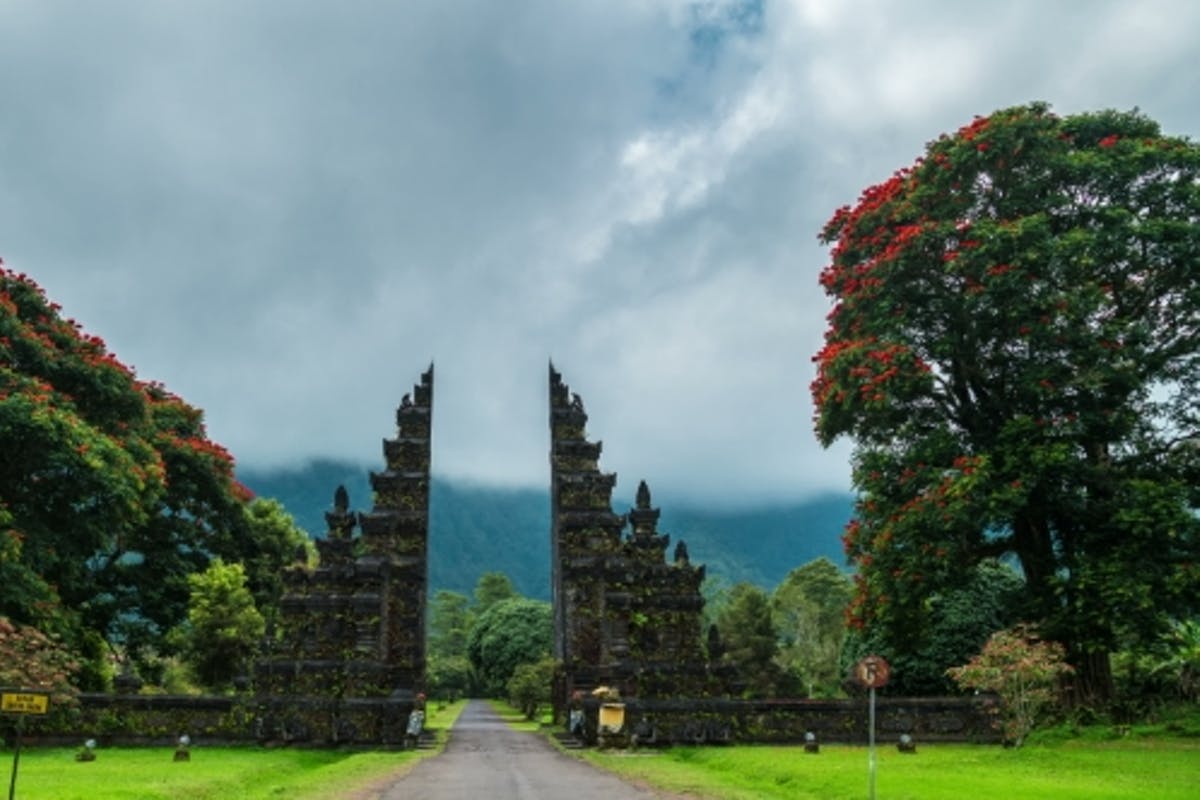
{"x":568,"y":741}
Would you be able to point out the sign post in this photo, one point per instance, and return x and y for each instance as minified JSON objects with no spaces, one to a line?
{"x":22,"y":704}
{"x":872,"y":672}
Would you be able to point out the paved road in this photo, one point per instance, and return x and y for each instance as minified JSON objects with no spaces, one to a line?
{"x":486,"y":760}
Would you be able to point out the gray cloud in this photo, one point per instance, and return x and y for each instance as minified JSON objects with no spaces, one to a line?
{"x":283,"y":211}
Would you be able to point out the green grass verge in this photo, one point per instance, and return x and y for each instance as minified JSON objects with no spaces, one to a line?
{"x":1127,"y":769}
{"x":517,"y":721}
{"x":247,"y":773}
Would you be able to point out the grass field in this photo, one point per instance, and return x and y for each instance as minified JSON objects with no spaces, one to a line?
{"x":517,"y":721}
{"x":1127,"y":769}
{"x":1062,"y":765}
{"x":1160,"y":762}
{"x":246,"y":773}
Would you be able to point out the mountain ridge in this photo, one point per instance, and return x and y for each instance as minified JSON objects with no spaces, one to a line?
{"x":475,"y":529}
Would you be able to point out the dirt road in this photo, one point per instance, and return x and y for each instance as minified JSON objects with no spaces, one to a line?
{"x":487,"y":760}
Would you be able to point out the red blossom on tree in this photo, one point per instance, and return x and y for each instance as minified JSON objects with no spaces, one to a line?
{"x":1014,"y":349}
{"x":111,"y":492}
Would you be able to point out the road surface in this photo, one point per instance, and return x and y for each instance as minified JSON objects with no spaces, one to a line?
{"x":485,"y":759}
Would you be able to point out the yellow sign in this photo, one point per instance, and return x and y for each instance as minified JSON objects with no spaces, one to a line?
{"x":24,"y":703}
{"x":612,"y":717}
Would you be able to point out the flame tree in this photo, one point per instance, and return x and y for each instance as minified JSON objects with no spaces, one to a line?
{"x":111,"y":492}
{"x":1013,"y":350}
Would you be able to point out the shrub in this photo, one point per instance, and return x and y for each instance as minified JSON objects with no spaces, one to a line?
{"x":1023,"y":670}
{"x":29,"y":659}
{"x":529,"y":686}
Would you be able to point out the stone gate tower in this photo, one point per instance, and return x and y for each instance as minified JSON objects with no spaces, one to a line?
{"x":623,"y":616}
{"x":349,"y":656}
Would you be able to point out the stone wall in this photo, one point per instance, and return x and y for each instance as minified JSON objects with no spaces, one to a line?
{"x":719,"y":721}
{"x":161,"y":719}
{"x":147,"y":720}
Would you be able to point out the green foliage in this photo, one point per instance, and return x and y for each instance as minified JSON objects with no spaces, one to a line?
{"x":448,"y":677}
{"x":1167,"y":670}
{"x":1180,"y":662}
{"x":530,"y":685}
{"x":273,"y":541}
{"x":1015,"y":352}
{"x":1023,"y":670}
{"x":808,"y":610}
{"x":955,"y":625}
{"x":448,"y":673}
{"x":715,"y":590}
{"x":223,"y":627}
{"x":510,"y":632}
{"x":97,"y":663}
{"x":450,"y":619}
{"x":751,"y":641}
{"x":491,"y":589}
{"x":111,"y":493}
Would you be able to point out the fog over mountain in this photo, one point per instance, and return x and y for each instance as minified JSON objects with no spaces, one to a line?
{"x":476,"y":529}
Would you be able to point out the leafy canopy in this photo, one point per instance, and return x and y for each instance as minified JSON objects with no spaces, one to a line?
{"x":223,"y":625}
{"x":751,"y":640}
{"x":1014,"y":349}
{"x":111,"y":492}
{"x":510,"y":632}
{"x":808,"y":610}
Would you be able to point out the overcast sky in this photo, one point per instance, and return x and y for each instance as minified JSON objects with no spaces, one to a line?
{"x":284,"y":211}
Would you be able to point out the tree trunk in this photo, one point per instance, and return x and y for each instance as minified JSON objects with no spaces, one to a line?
{"x":1092,"y":684}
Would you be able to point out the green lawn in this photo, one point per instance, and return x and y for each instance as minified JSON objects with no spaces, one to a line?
{"x":1154,"y":769}
{"x":247,"y":773}
{"x":517,"y":721}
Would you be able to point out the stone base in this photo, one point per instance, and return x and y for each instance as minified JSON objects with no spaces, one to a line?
{"x":320,"y":721}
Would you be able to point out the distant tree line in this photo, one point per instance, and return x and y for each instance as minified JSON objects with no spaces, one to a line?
{"x":497,"y":644}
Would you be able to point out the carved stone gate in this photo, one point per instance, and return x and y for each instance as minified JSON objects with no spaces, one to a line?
{"x":351,"y":652}
{"x":623,"y":616}
{"x":349,"y":658}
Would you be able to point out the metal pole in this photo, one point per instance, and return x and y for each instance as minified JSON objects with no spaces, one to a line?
{"x":12,"y":786}
{"x":871,"y":750}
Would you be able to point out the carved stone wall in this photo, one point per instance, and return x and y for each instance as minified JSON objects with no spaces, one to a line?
{"x":719,"y":721}
{"x":349,"y":657}
{"x":159,"y":719}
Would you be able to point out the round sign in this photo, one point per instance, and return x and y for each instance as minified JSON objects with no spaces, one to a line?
{"x":872,"y":672}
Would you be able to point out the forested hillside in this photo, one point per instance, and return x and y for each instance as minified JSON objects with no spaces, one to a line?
{"x":476,"y":529}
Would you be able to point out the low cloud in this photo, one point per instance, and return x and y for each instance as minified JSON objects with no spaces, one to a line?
{"x":285,"y":211}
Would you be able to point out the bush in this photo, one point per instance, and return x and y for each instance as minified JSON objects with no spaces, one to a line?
{"x":529,"y":687}
{"x":1023,"y":670}
{"x":510,"y":632}
{"x":29,"y":659}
